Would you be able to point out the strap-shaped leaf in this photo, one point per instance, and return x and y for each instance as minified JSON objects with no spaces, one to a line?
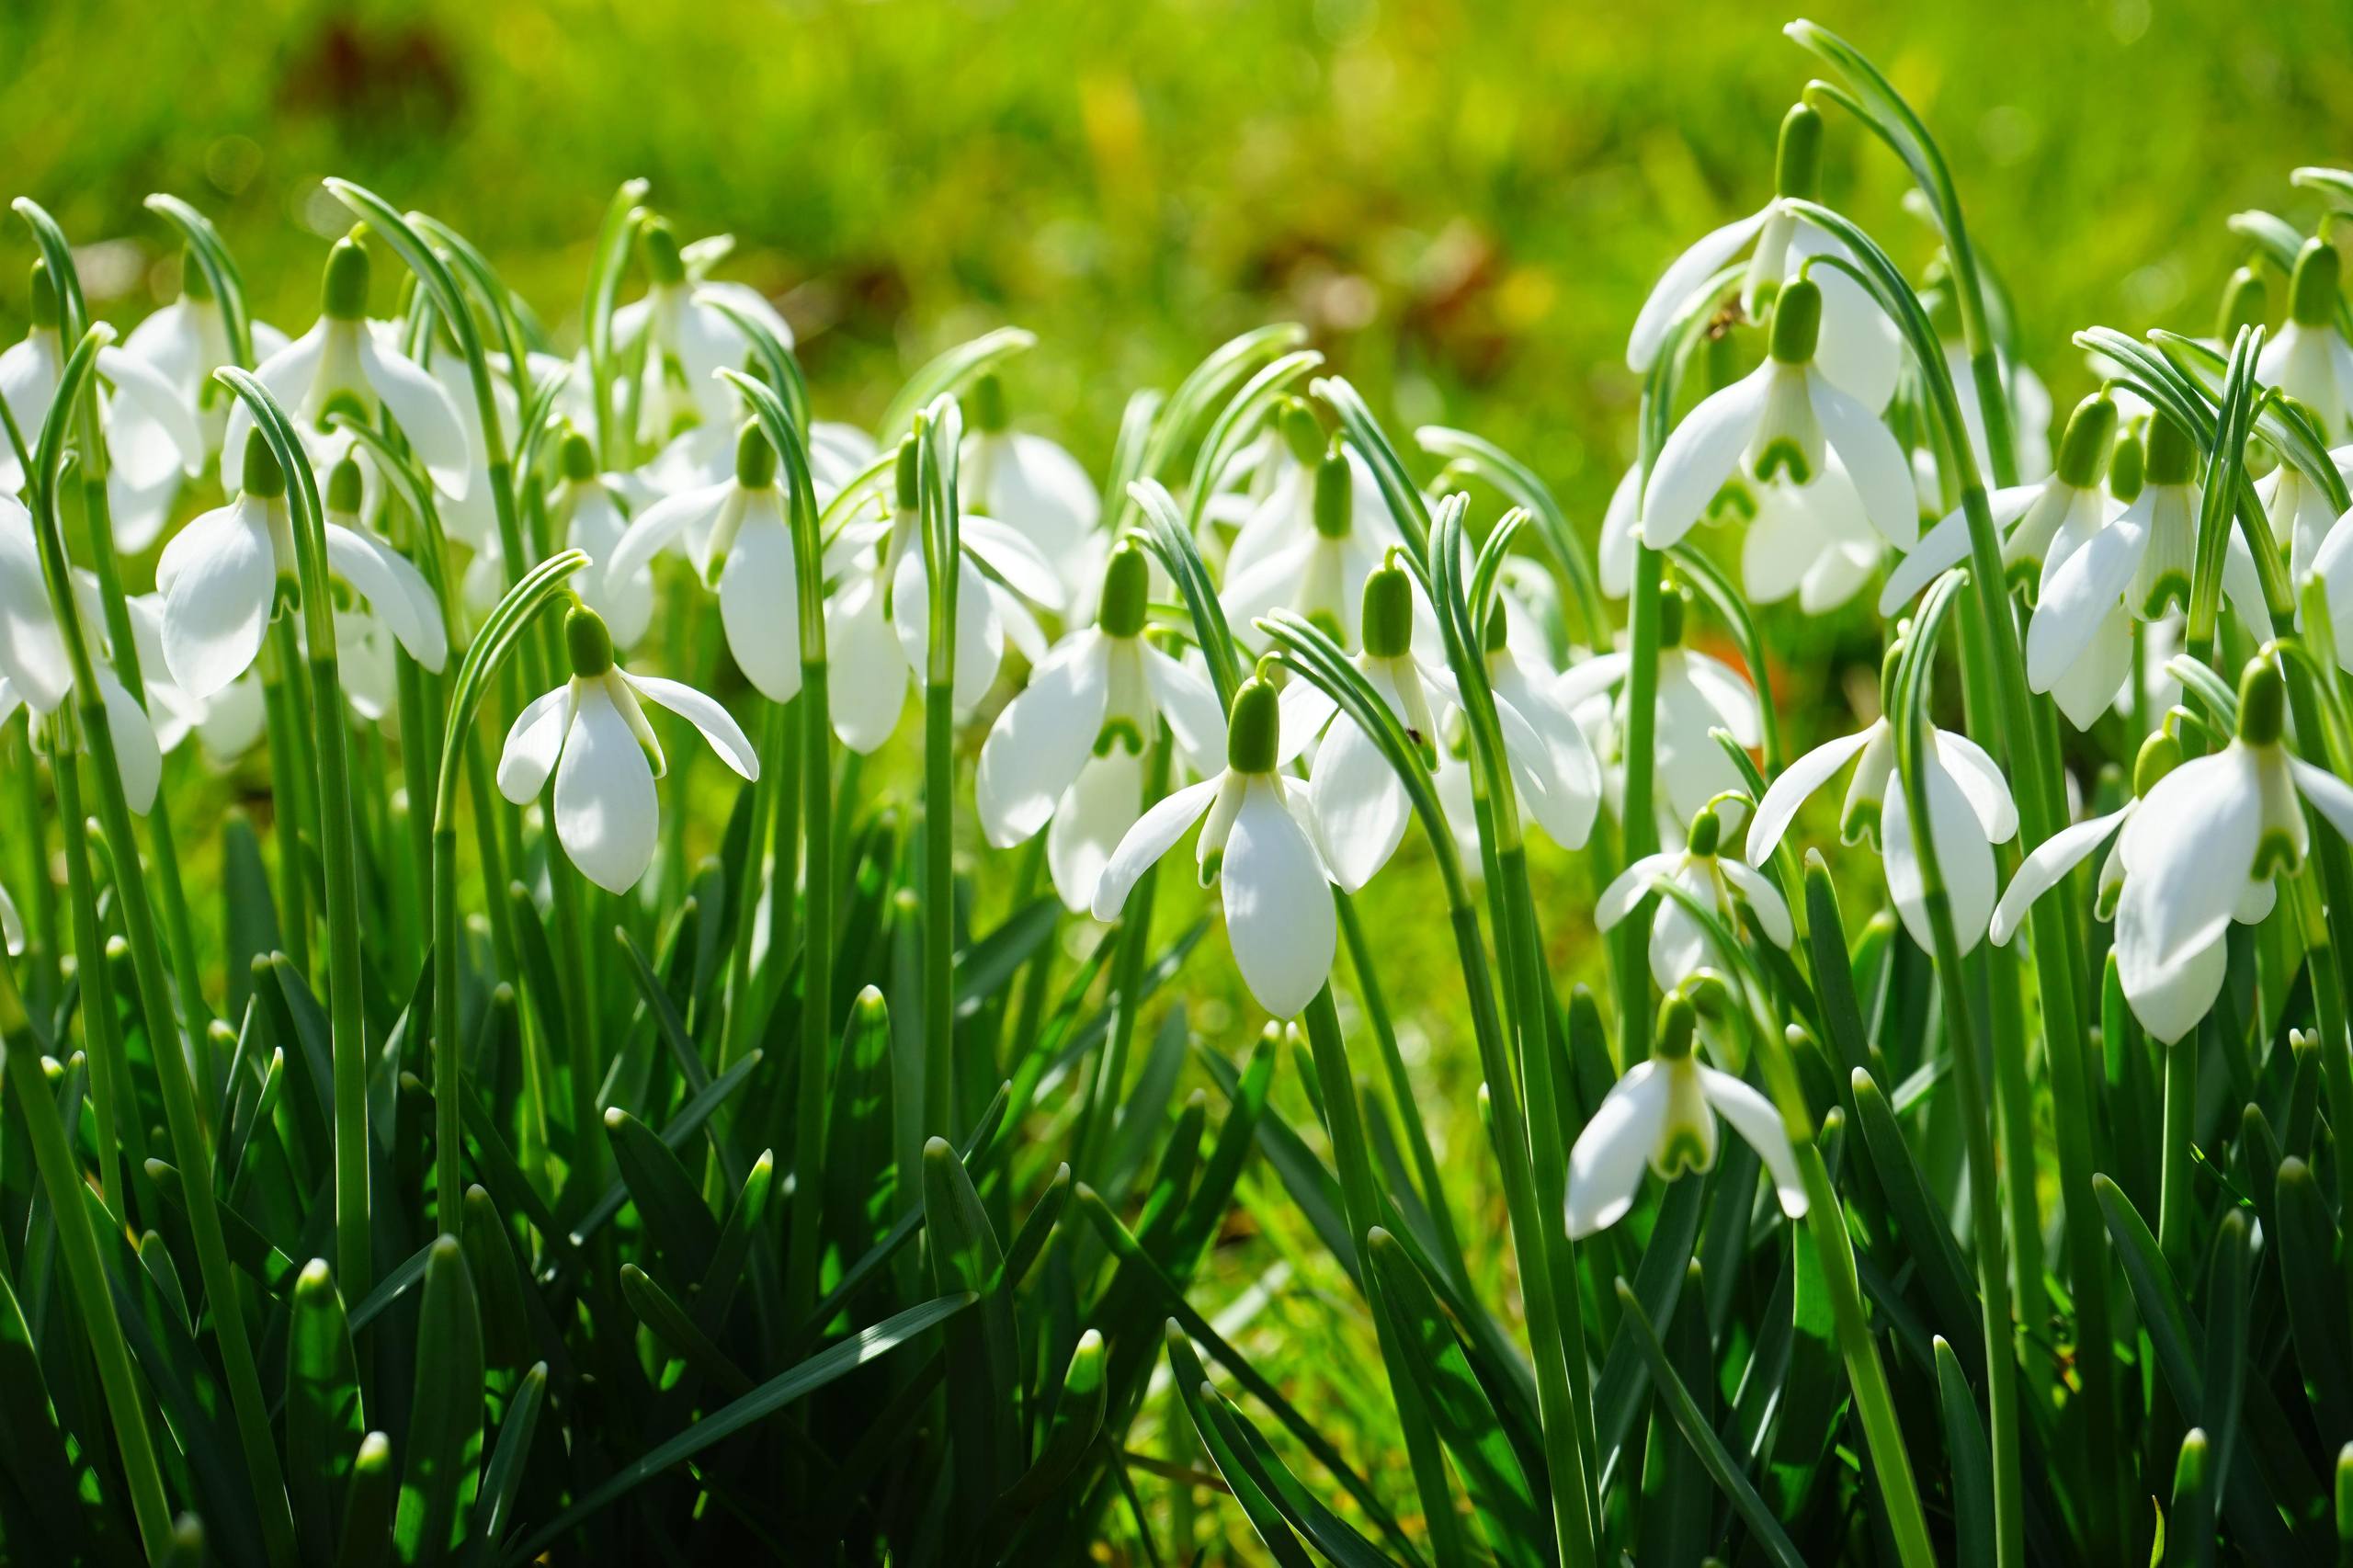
{"x":325,"y":1418}
{"x":442,"y":1467}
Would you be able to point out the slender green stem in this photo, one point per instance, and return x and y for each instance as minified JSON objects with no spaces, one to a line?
{"x":115,"y":1100}
{"x":736,"y":1038}
{"x":938,"y":910}
{"x":290,"y":793}
{"x":1127,"y":982}
{"x":816,"y":992}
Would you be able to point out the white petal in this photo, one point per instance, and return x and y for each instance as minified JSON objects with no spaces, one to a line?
{"x":2075,"y":597}
{"x":2048,"y":865}
{"x":1043,"y":737}
{"x":533,"y":741}
{"x":712,"y":720}
{"x":1873,"y":460}
{"x":2168,"y":994}
{"x":1632,"y":885}
{"x":1671,"y":295}
{"x":1188,"y":706}
{"x":1360,"y":805}
{"x":1155,"y":834}
{"x":427,"y":416}
{"x":1787,"y":793}
{"x":1964,"y":858}
{"x":606,"y":812}
{"x":1606,"y":1162}
{"x":1947,"y":545}
{"x":216,"y":603}
{"x":1014,"y":558}
{"x":32,"y":651}
{"x":135,"y":751}
{"x":1278,"y":915}
{"x":759,"y":605}
{"x":1753,"y":1117}
{"x":1980,"y":778}
{"x":2327,"y":794}
{"x":1618,"y":522}
{"x":287,"y":376}
{"x":869,"y":676}
{"x":658,"y":527}
{"x":1699,"y":455}
{"x":1764,"y":899}
{"x":2189,"y":850}
{"x":1093,"y":816}
{"x":394,"y":588}
{"x":138,"y":382}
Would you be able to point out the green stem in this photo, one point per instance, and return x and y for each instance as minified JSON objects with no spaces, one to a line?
{"x":746,"y":898}
{"x":115,"y":1101}
{"x":938,"y":908}
{"x":1127,"y":982}
{"x":816,"y":990}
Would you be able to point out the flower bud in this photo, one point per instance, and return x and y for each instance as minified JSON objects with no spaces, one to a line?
{"x":1335,"y":494}
{"x":576,"y":458}
{"x":658,"y":243}
{"x":1127,"y":589}
{"x":589,"y":643}
{"x":1389,"y":613}
{"x":2173,"y":456}
{"x":2160,"y":754}
{"x":2128,"y":468}
{"x":988,"y":405}
{"x":908,"y":493}
{"x":343,"y":487}
{"x":344,"y":295}
{"x":2246,"y":299}
{"x":1707,"y":831}
{"x":1254,"y":733}
{"x":2091,"y":430}
{"x":1670,"y":618}
{"x":2263,"y":704}
{"x":1797,"y":161}
{"x":1677,"y":1022}
{"x":1300,"y":431}
{"x":2313,"y":289}
{"x":263,"y":477}
{"x":1797,"y":322}
{"x":755,"y":459}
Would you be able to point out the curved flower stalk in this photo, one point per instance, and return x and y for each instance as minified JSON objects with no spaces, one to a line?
{"x":1034,"y":487}
{"x":1662,"y":1115}
{"x":1969,"y":811}
{"x":1279,"y":915}
{"x":1697,"y":694}
{"x":2310,"y":359}
{"x":1786,"y":427}
{"x":1678,"y":945}
{"x":2041,"y":522}
{"x":222,"y":577}
{"x":343,"y":366}
{"x":681,"y":340}
{"x":2137,"y":567}
{"x":878,"y":625}
{"x":2202,"y":849}
{"x":592,"y":735}
{"x":1068,"y":753}
{"x":1859,"y":350}
{"x":153,"y":437}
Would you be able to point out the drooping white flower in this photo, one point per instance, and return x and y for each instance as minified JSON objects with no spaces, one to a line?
{"x":1274,"y":510}
{"x":1554,"y":769}
{"x":1970,"y":811}
{"x":1034,"y":487}
{"x":681,"y":340}
{"x":1859,"y":350}
{"x":1279,"y":915}
{"x":878,"y":624}
{"x":2041,"y":523}
{"x":1067,"y":753}
{"x":592,"y":735}
{"x":2310,"y":359}
{"x":1781,"y":426}
{"x":221,"y":577}
{"x":341,"y":366}
{"x":151,"y":436}
{"x":1318,"y":572}
{"x":587,"y":505}
{"x":2202,"y":850}
{"x":1662,"y":1115}
{"x":1680,"y":946}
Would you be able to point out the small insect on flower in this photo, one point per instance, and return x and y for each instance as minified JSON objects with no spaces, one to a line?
{"x":1663,"y":1114}
{"x":591,"y":734}
{"x":1279,"y":915}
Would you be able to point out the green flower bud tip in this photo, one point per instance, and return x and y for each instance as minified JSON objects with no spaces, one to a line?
{"x":576,"y":459}
{"x":2160,"y":754}
{"x":2246,"y":301}
{"x":988,"y":404}
{"x":345,"y":295}
{"x":1670,"y":619}
{"x":1389,"y":614}
{"x":908,"y":493}
{"x":1254,"y":733}
{"x":755,"y":459}
{"x":1797,"y":162}
{"x":1677,"y":1022}
{"x":2263,"y":704}
{"x":1797,"y":322}
{"x":343,"y":487}
{"x":1335,"y":494}
{"x":44,"y":301}
{"x":1126,"y":587}
{"x":658,"y":243}
{"x":263,"y":477}
{"x":2091,"y":430}
{"x":1301,"y":431}
{"x":2173,"y":456}
{"x":2313,"y":290}
{"x":2128,"y":469}
{"x":1707,"y":830}
{"x":587,"y":642}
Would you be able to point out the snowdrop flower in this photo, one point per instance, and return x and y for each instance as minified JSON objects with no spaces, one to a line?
{"x":588,"y":506}
{"x":1032,"y":486}
{"x":37,"y":670}
{"x":2041,"y":523}
{"x":1679,"y":945}
{"x":393,"y":603}
{"x":1279,"y":510}
{"x":591,"y":734}
{"x":223,"y":575}
{"x":2079,"y":645}
{"x":1970,"y":811}
{"x":1663,"y":1114}
{"x":878,"y":627}
{"x":1069,"y":750}
{"x":2202,"y":850}
{"x":1781,"y":426}
{"x":2298,"y":509}
{"x":1279,"y":917}
{"x":339,"y":366}
{"x":2310,"y":359}
{"x":151,"y":436}
{"x":1697,"y":694}
{"x":1555,"y":770}
{"x":686,"y":340}
{"x":1318,"y":572}
{"x":1859,"y":350}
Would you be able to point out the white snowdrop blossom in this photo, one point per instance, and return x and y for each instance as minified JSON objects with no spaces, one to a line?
{"x":1679,"y":947}
{"x":2310,"y":359}
{"x":2202,"y":850}
{"x":1319,"y":571}
{"x":591,"y":735}
{"x":1255,"y":846}
{"x":1821,"y":462}
{"x":1859,"y":350}
{"x":344,"y":365}
{"x":1662,"y":1115}
{"x":681,"y":340}
{"x":878,"y":624}
{"x":1034,"y":487}
{"x":1970,"y":811}
{"x":222,"y":577}
{"x":588,"y":508}
{"x":1275,"y":511}
{"x":1554,"y":766}
{"x":1067,"y":753}
{"x":1697,"y":694}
